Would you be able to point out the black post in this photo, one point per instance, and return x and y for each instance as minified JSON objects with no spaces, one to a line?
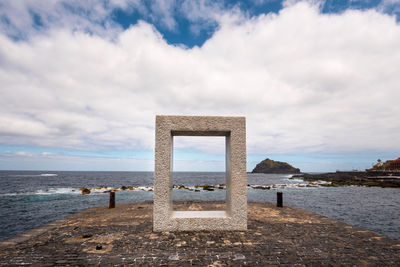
{"x":279,"y":199}
{"x":112,"y":200}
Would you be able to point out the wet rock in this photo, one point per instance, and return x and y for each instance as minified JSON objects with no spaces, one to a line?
{"x":85,"y":191}
{"x":263,"y":187}
{"x":205,"y":187}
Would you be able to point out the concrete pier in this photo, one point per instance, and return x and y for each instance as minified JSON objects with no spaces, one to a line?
{"x":123,"y":236}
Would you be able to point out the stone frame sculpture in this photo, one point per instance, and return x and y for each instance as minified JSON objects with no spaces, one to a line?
{"x":235,"y":215}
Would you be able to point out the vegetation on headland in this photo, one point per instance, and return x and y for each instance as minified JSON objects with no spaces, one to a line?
{"x":272,"y":166}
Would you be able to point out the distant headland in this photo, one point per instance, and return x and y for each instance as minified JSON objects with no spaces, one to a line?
{"x":272,"y":166}
{"x":382,"y":174}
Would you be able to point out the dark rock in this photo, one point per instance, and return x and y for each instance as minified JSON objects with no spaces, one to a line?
{"x":271,"y":166}
{"x":85,"y":191}
{"x":362,"y":178}
{"x":263,"y":187}
{"x":87,"y":235}
{"x":208,"y":187}
{"x":99,"y":247}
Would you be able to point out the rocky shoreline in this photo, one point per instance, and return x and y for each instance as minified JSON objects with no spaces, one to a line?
{"x":338,"y":178}
{"x":361,"y":178}
{"x":196,"y":188}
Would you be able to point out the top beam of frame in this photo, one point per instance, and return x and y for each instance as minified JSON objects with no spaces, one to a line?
{"x":200,"y":133}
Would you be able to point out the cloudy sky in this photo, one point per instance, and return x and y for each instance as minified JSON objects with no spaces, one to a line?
{"x":82,"y":81}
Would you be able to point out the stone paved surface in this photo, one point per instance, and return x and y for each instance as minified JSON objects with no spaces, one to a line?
{"x":285,"y":236}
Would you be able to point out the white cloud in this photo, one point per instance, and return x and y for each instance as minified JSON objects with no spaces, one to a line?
{"x":24,"y":154}
{"x":390,"y":6}
{"x":305,"y":81}
{"x":23,"y":160}
{"x":23,"y":19}
{"x":314,"y":3}
{"x":164,"y":12}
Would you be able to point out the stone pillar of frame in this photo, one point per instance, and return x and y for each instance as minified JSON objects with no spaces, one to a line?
{"x":235,"y":215}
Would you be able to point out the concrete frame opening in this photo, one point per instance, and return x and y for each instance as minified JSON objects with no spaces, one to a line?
{"x":235,"y":215}
{"x":199,"y":176}
{"x":201,"y":213}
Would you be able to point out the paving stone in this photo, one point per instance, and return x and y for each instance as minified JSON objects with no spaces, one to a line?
{"x":276,"y":236}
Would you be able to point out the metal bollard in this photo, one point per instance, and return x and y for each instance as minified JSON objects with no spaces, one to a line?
{"x":112,"y":200}
{"x":279,"y":199}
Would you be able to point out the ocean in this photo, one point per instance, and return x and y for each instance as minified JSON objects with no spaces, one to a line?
{"x":29,"y":199}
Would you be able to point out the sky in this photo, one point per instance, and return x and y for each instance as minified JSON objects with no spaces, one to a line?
{"x":82,"y":81}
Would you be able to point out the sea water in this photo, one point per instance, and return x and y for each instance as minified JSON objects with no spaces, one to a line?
{"x":29,"y":199}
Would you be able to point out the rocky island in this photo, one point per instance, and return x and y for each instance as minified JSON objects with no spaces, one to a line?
{"x":272,"y":166}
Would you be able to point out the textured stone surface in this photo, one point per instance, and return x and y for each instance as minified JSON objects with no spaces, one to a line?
{"x":276,"y":236}
{"x":234,"y":130}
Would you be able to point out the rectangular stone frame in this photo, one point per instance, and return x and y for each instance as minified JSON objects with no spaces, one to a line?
{"x":235,"y":215}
